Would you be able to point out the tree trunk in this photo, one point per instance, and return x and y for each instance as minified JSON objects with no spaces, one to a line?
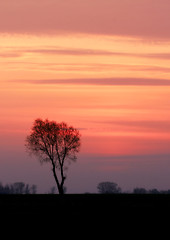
{"x":59,"y":186}
{"x":61,"y":190}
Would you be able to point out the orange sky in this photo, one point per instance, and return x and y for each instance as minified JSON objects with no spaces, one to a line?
{"x":107,"y":74}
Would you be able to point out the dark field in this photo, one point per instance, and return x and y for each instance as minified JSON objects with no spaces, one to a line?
{"x":87,"y":205}
{"x":119,"y":216}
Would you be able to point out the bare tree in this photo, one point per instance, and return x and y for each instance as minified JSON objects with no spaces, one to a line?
{"x":56,"y":143}
{"x":108,"y":188}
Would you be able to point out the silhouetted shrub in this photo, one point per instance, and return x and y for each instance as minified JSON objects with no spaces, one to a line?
{"x":108,"y":188}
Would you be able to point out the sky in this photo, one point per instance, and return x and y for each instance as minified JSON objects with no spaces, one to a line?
{"x":102,"y":66}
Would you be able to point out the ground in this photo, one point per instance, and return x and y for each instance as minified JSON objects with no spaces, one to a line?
{"x":84,"y":204}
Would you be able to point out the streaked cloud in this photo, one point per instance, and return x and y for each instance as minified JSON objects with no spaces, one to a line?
{"x":19,"y":52}
{"x":10,"y":55}
{"x":75,"y":51}
{"x":158,"y":126}
{"x":103,"y":81}
{"x":57,"y":51}
{"x":142,"y":18}
{"x":72,"y":51}
{"x":134,"y":157}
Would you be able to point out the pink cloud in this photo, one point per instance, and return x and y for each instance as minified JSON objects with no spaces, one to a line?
{"x":157,"y":126}
{"x":13,"y":51}
{"x":103,"y":81}
{"x":142,"y":18}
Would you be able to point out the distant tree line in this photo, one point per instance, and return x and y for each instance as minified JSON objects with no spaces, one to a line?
{"x":150,"y":191}
{"x":23,"y":188}
{"x":102,"y":187}
{"x":113,"y":188}
{"x":18,"y":188}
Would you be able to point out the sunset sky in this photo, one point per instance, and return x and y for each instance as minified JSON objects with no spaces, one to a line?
{"x":102,"y":66}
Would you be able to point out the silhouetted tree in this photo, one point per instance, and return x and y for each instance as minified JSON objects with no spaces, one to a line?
{"x":140,"y":191}
{"x":154,"y":191}
{"x":165,"y":191}
{"x":17,"y":188}
{"x":56,"y":143}
{"x":108,"y":188}
{"x":33,"y":189}
{"x":52,"y":190}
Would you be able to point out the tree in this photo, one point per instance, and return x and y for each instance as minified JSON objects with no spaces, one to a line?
{"x":139,"y":191}
{"x":154,"y":191}
{"x":17,"y":188}
{"x":108,"y":188}
{"x":55,"y":143}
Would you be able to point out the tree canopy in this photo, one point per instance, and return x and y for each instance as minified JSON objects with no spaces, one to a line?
{"x":108,"y":188}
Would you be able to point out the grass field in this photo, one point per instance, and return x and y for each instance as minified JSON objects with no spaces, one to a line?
{"x":120,"y":216}
{"x":84,"y":204}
